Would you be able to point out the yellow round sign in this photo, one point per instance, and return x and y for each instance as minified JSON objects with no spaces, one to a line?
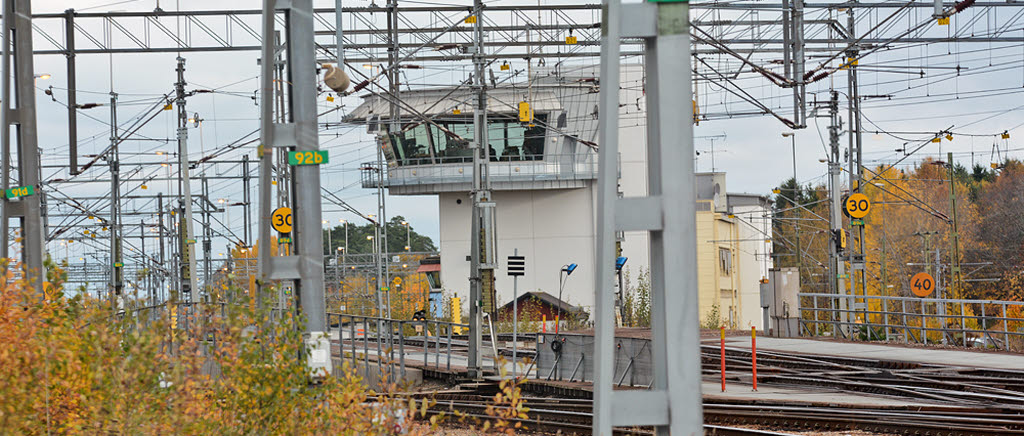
{"x":858,"y":205}
{"x":397,"y":281}
{"x":281,"y":220}
{"x":922,"y":284}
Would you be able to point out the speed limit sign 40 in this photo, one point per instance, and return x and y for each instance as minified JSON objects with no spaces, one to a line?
{"x":857,"y":206}
{"x":922,"y":284}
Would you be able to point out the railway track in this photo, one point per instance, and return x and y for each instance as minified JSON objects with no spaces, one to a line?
{"x":946,"y":401}
{"x":574,"y":417}
{"x":994,"y":389}
{"x":942,"y":400}
{"x":556,"y":416}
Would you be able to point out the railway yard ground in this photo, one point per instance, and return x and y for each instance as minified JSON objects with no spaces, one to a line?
{"x":805,"y":387}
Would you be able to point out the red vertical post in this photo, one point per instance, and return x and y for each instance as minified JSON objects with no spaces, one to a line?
{"x":753,"y":352}
{"x":723,"y":359}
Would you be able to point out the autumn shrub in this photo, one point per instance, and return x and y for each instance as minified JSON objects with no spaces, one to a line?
{"x":636,"y":305}
{"x":528,"y":321}
{"x":713,"y":319}
{"x":508,"y":408}
{"x":72,"y":365}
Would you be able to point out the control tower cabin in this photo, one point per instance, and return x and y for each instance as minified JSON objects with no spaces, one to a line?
{"x":543,"y":173}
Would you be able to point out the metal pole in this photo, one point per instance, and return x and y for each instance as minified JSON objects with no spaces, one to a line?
{"x":307,"y":210}
{"x":265,"y":152}
{"x":800,"y":89}
{"x":396,"y":126}
{"x":116,"y":261}
{"x":5,"y":126}
{"x":885,"y":281}
{"x":69,"y":36}
{"x":515,"y":320}
{"x":340,"y":44}
{"x":247,"y":206}
{"x":835,"y":217}
{"x":857,"y":162}
{"x":787,"y":42}
{"x":17,"y":34}
{"x":672,"y":404}
{"x":188,"y":267}
{"x":558,"y":314}
{"x":954,"y":254}
{"x":393,"y":72}
{"x":142,"y":261}
{"x":607,"y":185}
{"x":160,"y":231}
{"x":207,"y":235}
{"x":481,"y":230}
{"x":796,"y":195}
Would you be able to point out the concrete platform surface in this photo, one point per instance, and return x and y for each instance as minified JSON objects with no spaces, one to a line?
{"x":968,"y":359}
{"x":741,"y":392}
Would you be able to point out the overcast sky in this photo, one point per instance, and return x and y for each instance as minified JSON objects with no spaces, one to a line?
{"x":984,"y":100}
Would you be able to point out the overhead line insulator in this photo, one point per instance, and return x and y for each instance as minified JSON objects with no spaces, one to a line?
{"x":960,"y":6}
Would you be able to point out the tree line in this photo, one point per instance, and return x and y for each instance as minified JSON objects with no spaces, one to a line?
{"x":910,"y":229}
{"x":359,"y":244}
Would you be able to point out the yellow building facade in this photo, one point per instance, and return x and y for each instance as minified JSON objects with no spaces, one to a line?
{"x":717,"y":266}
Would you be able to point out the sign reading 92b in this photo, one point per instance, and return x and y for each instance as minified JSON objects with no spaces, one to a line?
{"x":307,"y":157}
{"x":922,"y":284}
{"x":857,"y":206}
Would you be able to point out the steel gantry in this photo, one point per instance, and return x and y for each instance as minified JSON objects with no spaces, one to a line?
{"x":305,"y":268}
{"x":668,"y":214}
{"x":26,"y":204}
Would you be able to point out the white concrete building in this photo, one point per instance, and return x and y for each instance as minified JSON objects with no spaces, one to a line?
{"x":753,"y":214}
{"x":543,"y":177}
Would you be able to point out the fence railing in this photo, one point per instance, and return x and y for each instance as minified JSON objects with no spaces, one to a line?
{"x":552,"y":167}
{"x":431,"y":342}
{"x":968,"y":323}
{"x":358,"y":334}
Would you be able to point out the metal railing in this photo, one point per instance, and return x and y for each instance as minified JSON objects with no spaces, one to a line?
{"x":553,"y":167}
{"x":388,"y":336}
{"x":984,"y":323}
{"x":574,"y":359}
{"x":467,"y":159}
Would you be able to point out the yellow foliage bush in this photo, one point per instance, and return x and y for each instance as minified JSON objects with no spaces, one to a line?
{"x":72,"y":366}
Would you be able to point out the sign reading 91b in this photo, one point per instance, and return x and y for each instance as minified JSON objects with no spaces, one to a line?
{"x":857,"y":206}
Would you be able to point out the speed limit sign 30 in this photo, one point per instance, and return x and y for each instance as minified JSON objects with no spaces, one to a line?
{"x":857,"y":206}
{"x":281,"y":220}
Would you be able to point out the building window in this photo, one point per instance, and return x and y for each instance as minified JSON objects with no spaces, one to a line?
{"x":509,"y":140}
{"x":725,"y":261}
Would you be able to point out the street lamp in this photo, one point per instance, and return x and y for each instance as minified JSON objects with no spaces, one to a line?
{"x":796,"y":193}
{"x":329,"y":241}
{"x":885,"y":286}
{"x":792,"y":136}
{"x":567,"y":269}
{"x":408,"y":242}
{"x":345,"y":222}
